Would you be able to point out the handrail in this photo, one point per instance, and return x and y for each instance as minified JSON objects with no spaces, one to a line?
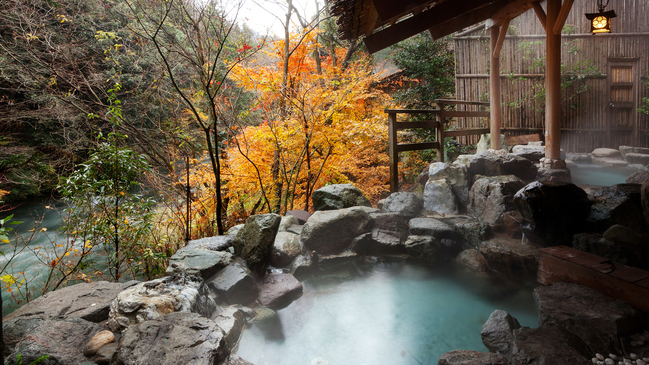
{"x":393,"y":125}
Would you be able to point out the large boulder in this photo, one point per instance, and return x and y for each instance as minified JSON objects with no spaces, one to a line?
{"x":426,"y":226}
{"x":618,"y":204}
{"x":607,"y":153}
{"x":511,"y":257}
{"x":279,"y":290}
{"x":637,"y":158}
{"x":468,"y":357}
{"x":473,"y":260}
{"x":153,"y":299}
{"x":530,"y":152}
{"x":175,"y":338}
{"x":285,"y":248}
{"x":494,"y":163}
{"x":598,"y":320}
{"x":196,"y":261}
{"x":63,"y":340}
{"x":338,"y":196}
{"x":498,"y":332}
{"x":231,"y":321}
{"x":332,"y":231}
{"x":638,"y":177}
{"x":492,"y":196}
{"x":215,"y":243}
{"x":378,"y":242}
{"x":439,"y":197}
{"x":406,"y":204}
{"x":254,"y":242}
{"x":629,"y":149}
{"x":234,"y":284}
{"x":545,"y":345}
{"x":472,"y":230}
{"x":456,"y":177}
{"x":393,"y":223}
{"x":423,"y":248}
{"x":552,"y":211}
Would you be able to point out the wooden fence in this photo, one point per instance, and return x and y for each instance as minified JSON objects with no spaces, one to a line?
{"x":459,"y":119}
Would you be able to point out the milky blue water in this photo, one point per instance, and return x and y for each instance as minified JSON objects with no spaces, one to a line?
{"x":390,"y":314}
{"x":589,"y":174}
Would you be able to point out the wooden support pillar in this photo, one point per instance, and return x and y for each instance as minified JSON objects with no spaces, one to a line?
{"x":494,"y":89}
{"x":553,"y":83}
{"x":392,"y":152}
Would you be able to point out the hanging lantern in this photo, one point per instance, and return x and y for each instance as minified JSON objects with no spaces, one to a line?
{"x":601,"y":22}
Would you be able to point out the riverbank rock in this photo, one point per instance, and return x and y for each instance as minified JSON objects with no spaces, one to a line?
{"x":175,"y":338}
{"x":494,"y":163}
{"x":231,"y":321}
{"x":153,"y":299}
{"x":332,"y":231}
{"x":254,"y":242}
{"x":439,"y":197}
{"x":545,"y":345}
{"x":598,"y":320}
{"x":279,"y":290}
{"x":201,"y":262}
{"x":467,"y":357}
{"x":472,"y":230}
{"x":498,"y":332}
{"x":511,"y":257}
{"x":491,"y":196}
{"x":408,"y":205}
{"x":285,"y":248}
{"x":234,"y":284}
{"x":338,"y":196}
{"x":552,"y":211}
{"x":422,"y":248}
{"x":473,"y":260}
{"x":456,"y":177}
{"x":618,"y":204}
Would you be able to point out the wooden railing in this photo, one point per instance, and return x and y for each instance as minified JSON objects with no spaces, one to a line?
{"x":438,"y":124}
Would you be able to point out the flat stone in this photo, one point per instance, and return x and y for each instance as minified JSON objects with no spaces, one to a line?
{"x":301,"y":215}
{"x":607,"y":153}
{"x":494,"y":163}
{"x":546,"y":345}
{"x":234,"y":284}
{"x":468,"y":357}
{"x":338,"y":196}
{"x":609,"y":162}
{"x":637,"y":158}
{"x":530,"y":152}
{"x":332,"y":231}
{"x":624,"y":150}
{"x":279,"y":290}
{"x":201,"y":262}
{"x":216,"y":243}
{"x":406,"y":204}
{"x":423,"y":248}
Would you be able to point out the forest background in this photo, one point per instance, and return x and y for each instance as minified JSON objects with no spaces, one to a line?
{"x":157,"y":122}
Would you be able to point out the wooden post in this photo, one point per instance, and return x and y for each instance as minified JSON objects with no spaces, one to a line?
{"x":494,"y":89}
{"x":440,"y":133}
{"x":392,"y":152}
{"x":553,"y":83}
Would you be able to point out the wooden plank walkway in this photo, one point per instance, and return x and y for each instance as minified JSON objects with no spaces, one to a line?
{"x":562,"y":263}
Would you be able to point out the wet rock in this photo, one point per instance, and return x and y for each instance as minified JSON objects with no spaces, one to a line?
{"x":201,"y":262}
{"x":638,"y":177}
{"x":431,"y":227}
{"x":511,"y":257}
{"x":498,"y":332}
{"x":332,"y":231}
{"x":628,"y":149}
{"x":456,"y":177}
{"x":473,"y":260}
{"x":546,"y":345}
{"x":105,"y":353}
{"x":295,"y":229}
{"x":234,"y":284}
{"x":467,"y":357}
{"x":378,"y":242}
{"x":423,"y":248}
{"x":607,"y":153}
{"x":153,"y":299}
{"x":552,"y":174}
{"x":175,"y":338}
{"x":530,"y":152}
{"x":236,"y":360}
{"x":596,"y":244}
{"x":63,"y":340}
{"x":392,"y":222}
{"x":286,"y":222}
{"x":301,"y":267}
{"x":231,"y":321}
{"x":326,"y":262}
{"x":470,"y":229}
{"x":512,"y":223}
{"x":285,"y":248}
{"x":609,"y":162}
{"x":338,"y":196}
{"x":279,"y":290}
{"x":301,"y":215}
{"x":492,"y":196}
{"x":494,"y":163}
{"x":97,"y":341}
{"x":484,"y":144}
{"x":216,"y":243}
{"x":406,"y":204}
{"x":552,"y":211}
{"x":235,"y":229}
{"x":439,"y":197}
{"x":618,"y":204}
{"x":254,"y":241}
{"x":637,"y":158}
{"x":579,"y":157}
{"x":598,"y":320}
{"x":626,"y":236}
{"x":464,"y":160}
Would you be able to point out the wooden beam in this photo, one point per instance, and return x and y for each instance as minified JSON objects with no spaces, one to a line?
{"x":540,"y":13}
{"x":444,"y":12}
{"x":501,"y":38}
{"x":389,"y":9}
{"x":464,"y":20}
{"x":563,"y":15}
{"x":371,"y":20}
{"x":552,"y":83}
{"x":510,"y":11}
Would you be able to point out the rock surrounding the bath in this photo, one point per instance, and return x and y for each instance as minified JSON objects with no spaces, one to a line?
{"x":236,"y":360}
{"x":176,"y":338}
{"x":235,"y":229}
{"x":301,"y":267}
{"x":610,"y":162}
{"x":285,"y":248}
{"x":456,"y":177}
{"x":254,"y":241}
{"x":492,"y":196}
{"x":331,"y":231}
{"x":546,"y":345}
{"x":97,"y":341}
{"x":512,"y":223}
{"x":468,"y":357}
{"x":628,"y":149}
{"x":484,"y":144}
{"x":326,"y":262}
{"x":494,"y":163}
{"x":511,"y":257}
{"x":553,"y":212}
{"x":463,"y":160}
{"x":426,"y":226}
{"x":550,"y":174}
{"x":473,"y":259}
{"x":638,"y":177}
{"x":201,"y":262}
{"x":530,"y":152}
{"x":439,"y":197}
{"x":153,"y":299}
{"x":406,"y":204}
{"x":231,"y":321}
{"x":234,"y":284}
{"x":498,"y":332}
{"x":279,"y":290}
{"x":338,"y":196}
{"x":472,"y":230}
{"x":63,"y":340}
{"x":596,"y":244}
{"x":579,"y":157}
{"x":105,"y":354}
{"x":379,"y":242}
{"x":607,"y":153}
{"x":423,"y":248}
{"x":627,"y":236}
{"x":391,"y":222}
{"x":618,"y":204}
{"x":287,"y":221}
{"x":598,"y":320}
{"x":301,"y":215}
{"x":216,"y":243}
{"x":637,"y":158}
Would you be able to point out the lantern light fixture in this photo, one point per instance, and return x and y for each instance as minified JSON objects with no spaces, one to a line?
{"x":601,"y":22}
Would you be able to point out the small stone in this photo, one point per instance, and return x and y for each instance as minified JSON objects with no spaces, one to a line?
{"x":595,"y":360}
{"x":639,"y":343}
{"x":613,"y":356}
{"x":634,"y":343}
{"x":601,"y":363}
{"x":97,"y":341}
{"x":599,"y":357}
{"x":633,"y":356}
{"x":640,"y":362}
{"x":609,"y":362}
